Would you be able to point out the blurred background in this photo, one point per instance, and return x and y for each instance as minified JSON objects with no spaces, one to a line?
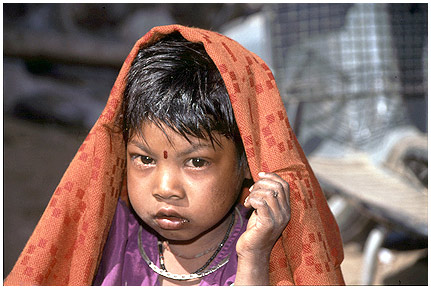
{"x":353,"y":78}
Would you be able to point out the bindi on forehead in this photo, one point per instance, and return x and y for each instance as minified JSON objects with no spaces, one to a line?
{"x":165,"y":154}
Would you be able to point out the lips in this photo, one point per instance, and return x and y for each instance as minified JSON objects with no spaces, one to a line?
{"x":168,"y":219}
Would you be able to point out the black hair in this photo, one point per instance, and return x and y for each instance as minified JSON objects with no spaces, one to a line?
{"x":174,"y":82}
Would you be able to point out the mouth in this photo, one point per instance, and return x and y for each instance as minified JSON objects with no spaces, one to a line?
{"x":170,"y":220}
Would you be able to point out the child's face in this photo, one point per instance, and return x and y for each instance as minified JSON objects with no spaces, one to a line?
{"x":182,"y":189}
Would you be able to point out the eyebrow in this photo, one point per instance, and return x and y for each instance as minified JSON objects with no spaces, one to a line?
{"x":141,"y":145}
{"x":194,"y":147}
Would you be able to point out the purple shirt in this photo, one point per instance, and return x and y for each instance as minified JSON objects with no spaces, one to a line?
{"x":122,"y":263}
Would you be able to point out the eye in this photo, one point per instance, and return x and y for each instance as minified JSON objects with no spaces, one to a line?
{"x":146,"y":160}
{"x":197,"y":163}
{"x":140,"y":160}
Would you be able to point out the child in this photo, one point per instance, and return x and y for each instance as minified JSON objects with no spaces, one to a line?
{"x":186,"y":167}
{"x":197,"y":121}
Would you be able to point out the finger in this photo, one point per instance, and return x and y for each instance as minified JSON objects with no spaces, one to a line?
{"x":276,"y":178}
{"x":286,"y":189}
{"x":270,"y":196}
{"x":274,"y":208}
{"x":275,"y":183}
{"x":262,"y":210}
{"x":278,"y":188}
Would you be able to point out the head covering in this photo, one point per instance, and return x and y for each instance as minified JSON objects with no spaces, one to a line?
{"x":68,"y":241}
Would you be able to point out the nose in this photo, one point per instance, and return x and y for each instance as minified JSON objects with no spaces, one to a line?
{"x":168,"y":185}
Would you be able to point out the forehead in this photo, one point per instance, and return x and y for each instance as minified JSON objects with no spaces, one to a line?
{"x":152,"y":135}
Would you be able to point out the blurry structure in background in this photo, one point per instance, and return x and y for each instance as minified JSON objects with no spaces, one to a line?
{"x":353,"y":78}
{"x":353,"y":58}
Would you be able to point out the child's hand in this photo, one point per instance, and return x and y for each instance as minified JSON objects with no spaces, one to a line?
{"x":269,"y":196}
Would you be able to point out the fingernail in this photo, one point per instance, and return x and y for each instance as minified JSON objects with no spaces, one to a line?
{"x":261,"y":174}
{"x":245,"y":201}
{"x":251,"y":188}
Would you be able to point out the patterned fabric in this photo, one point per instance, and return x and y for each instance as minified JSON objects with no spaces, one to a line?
{"x":68,"y":241}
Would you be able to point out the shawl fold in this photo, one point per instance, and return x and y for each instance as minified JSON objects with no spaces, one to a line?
{"x":66,"y":245}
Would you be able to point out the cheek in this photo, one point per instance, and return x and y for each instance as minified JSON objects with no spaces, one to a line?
{"x":225,"y":190}
{"x":136,"y":191}
{"x":131,"y":183}
{"x":133,"y":194}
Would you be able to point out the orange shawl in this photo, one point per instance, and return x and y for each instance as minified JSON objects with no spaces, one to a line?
{"x":66,"y":245}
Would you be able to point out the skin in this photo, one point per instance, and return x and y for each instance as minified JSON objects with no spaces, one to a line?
{"x":185,"y":192}
{"x":267,"y":222}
